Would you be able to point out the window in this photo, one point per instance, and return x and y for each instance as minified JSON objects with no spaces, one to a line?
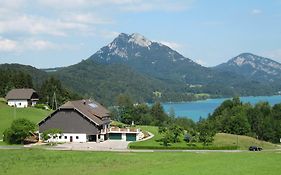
{"x":59,"y":137}
{"x":65,"y":137}
{"x":77,"y":137}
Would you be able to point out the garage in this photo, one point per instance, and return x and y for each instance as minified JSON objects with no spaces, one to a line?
{"x":115,"y":136}
{"x":131,"y":137}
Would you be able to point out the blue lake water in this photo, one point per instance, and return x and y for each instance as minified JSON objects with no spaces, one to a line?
{"x":197,"y":109}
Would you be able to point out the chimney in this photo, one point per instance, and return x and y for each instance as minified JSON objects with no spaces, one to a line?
{"x":84,"y":102}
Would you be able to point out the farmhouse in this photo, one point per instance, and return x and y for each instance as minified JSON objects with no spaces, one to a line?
{"x":21,"y":98}
{"x":85,"y":121}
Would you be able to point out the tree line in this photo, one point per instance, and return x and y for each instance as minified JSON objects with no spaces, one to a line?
{"x":10,"y":79}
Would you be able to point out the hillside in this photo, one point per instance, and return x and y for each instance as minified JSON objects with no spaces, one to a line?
{"x":38,"y":76}
{"x":242,"y":141}
{"x":8,"y":114}
{"x":106,"y":82}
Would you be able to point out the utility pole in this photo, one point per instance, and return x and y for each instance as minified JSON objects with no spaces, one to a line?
{"x":54,"y":104}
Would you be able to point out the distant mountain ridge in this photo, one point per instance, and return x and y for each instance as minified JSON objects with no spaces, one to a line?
{"x":253,"y":67}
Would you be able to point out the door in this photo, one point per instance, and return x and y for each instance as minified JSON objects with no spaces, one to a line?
{"x":115,"y":136}
{"x":71,"y":139}
{"x":130,"y":137}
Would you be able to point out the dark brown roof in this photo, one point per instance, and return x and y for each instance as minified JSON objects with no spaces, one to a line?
{"x":90,"y":109}
{"x":20,"y":94}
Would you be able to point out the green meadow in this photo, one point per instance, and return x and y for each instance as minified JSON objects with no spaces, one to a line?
{"x":220,"y":140}
{"x":8,"y":114}
{"x":37,"y":162}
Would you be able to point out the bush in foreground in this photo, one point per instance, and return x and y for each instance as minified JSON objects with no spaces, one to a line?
{"x":18,"y":131}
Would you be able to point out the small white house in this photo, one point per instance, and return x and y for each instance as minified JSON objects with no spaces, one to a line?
{"x":22,"y":98}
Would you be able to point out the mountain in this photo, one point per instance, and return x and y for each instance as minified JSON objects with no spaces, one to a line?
{"x":152,"y":58}
{"x":253,"y":67}
{"x":163,"y":63}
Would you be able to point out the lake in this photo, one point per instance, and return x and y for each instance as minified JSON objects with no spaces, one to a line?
{"x":197,"y":109}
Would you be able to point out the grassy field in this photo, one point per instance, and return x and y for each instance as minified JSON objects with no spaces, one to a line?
{"x":243,"y":141}
{"x":38,"y":162}
{"x":220,"y":140}
{"x":8,"y":114}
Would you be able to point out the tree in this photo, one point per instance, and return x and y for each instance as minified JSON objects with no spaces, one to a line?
{"x":125,"y":108}
{"x":176,"y":133}
{"x":53,"y":86}
{"x":158,"y":114}
{"x":167,"y":136}
{"x":171,"y":134}
{"x":206,"y":132}
{"x":18,"y":131}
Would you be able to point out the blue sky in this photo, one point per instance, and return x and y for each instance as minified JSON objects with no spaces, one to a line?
{"x":52,"y":33}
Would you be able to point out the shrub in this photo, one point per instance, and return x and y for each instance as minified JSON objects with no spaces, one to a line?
{"x":18,"y":131}
{"x":42,"y":106}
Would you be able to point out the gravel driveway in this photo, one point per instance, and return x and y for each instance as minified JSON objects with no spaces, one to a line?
{"x":109,"y":145}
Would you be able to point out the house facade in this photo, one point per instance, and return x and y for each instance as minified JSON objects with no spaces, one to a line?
{"x":22,"y":98}
{"x":79,"y":121}
{"x":85,"y":121}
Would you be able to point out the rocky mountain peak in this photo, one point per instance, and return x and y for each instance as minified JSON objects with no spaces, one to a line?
{"x":139,"y":40}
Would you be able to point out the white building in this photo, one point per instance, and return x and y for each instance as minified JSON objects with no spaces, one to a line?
{"x":22,"y":98}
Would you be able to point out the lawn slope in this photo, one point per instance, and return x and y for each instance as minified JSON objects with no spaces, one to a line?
{"x":8,"y":114}
{"x":243,"y":142}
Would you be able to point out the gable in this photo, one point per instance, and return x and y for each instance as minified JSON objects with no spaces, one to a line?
{"x":69,"y":121}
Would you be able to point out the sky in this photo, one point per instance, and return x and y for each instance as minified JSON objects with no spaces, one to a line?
{"x":55,"y":33}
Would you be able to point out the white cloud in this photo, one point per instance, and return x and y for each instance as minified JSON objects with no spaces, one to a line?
{"x":7,"y":45}
{"x":173,"y":45}
{"x":256,"y":12}
{"x":39,"y":25}
{"x":85,"y":18}
{"x":273,"y":54}
{"x":108,"y":34}
{"x":201,"y":62}
{"x":124,"y":5}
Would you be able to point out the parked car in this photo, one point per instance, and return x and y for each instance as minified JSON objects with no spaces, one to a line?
{"x":255,"y":148}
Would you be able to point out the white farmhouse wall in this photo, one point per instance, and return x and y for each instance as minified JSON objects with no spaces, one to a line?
{"x":33,"y":103}
{"x":18,"y":103}
{"x":65,"y":137}
{"x":123,"y":137}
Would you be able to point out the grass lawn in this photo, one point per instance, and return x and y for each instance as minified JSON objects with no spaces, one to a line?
{"x":8,"y":114}
{"x":37,"y":161}
{"x":220,"y":140}
{"x":243,"y":141}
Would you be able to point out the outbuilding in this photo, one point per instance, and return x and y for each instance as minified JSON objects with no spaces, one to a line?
{"x":22,"y":98}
